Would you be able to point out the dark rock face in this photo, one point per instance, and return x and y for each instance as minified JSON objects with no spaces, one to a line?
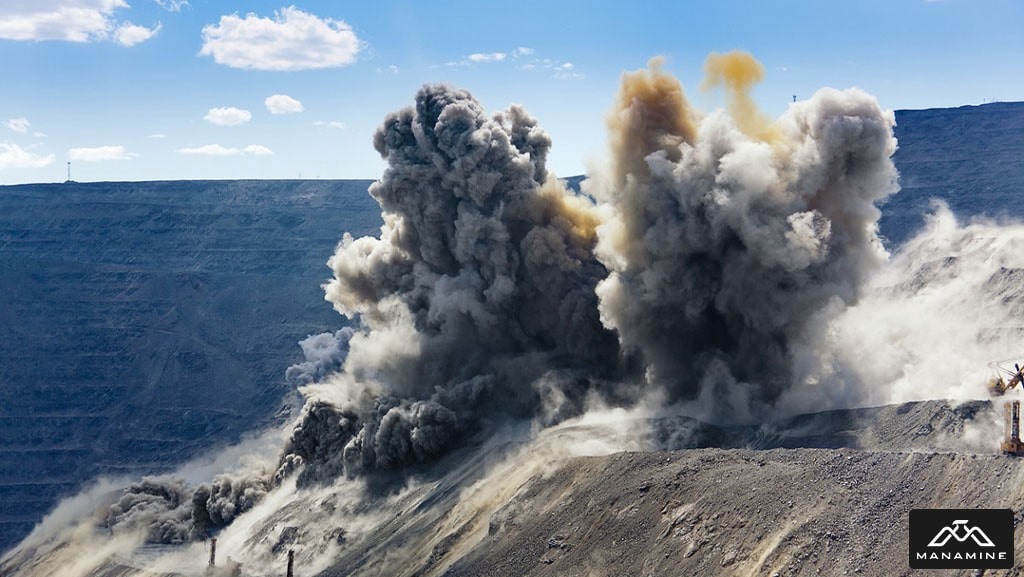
{"x":972,"y":157}
{"x":147,"y":321}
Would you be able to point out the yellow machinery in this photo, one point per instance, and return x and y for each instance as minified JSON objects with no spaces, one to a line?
{"x":1002,"y":381}
{"x":1011,"y":445}
{"x":998,"y":384}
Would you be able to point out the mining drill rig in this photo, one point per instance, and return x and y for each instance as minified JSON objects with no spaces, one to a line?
{"x":1011,"y":445}
{"x":1003,"y":380}
{"x":998,"y":384}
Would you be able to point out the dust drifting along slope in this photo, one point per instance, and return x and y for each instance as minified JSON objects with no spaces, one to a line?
{"x":744,"y":252}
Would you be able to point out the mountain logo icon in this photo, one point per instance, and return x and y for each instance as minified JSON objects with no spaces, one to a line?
{"x":961,"y":532}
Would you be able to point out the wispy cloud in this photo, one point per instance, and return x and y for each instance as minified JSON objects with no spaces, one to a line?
{"x":69,"y":21}
{"x":558,"y":69}
{"x":523,"y":58}
{"x":488,"y":57}
{"x":172,"y":5}
{"x":292,"y":40}
{"x":566,"y":70}
{"x":100,"y":154}
{"x":20,"y":125}
{"x":329,"y":124}
{"x":227,"y":116}
{"x":13,"y":156}
{"x":157,"y":135}
{"x":210,"y":150}
{"x":258,"y":150}
{"x":129,"y":34}
{"x":478,"y":58}
{"x":282,"y":104}
{"x":220,"y":150}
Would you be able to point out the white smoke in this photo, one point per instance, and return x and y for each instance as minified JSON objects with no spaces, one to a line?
{"x":942,"y":309}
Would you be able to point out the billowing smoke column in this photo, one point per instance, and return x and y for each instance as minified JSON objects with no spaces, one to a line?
{"x":721,"y":248}
{"x":475,"y":304}
{"x":718,"y":253}
{"x":732,"y":242}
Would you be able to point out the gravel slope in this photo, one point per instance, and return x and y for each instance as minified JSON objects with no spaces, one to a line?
{"x":803,"y":510}
{"x":736,"y":512}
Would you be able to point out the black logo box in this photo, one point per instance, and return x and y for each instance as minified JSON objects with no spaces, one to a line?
{"x":961,"y":549}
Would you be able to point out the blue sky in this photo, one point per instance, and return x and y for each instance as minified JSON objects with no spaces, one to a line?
{"x":165,"y":89}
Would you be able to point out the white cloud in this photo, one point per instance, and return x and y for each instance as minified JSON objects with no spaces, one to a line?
{"x":564,"y":75}
{"x":100,"y":154}
{"x":228,"y":116}
{"x":258,"y":150}
{"x":219,"y":150}
{"x":282,"y":104}
{"x":560,"y":70}
{"x":13,"y":156}
{"x":210,"y":150}
{"x":392,"y":69}
{"x":19,"y":125}
{"x":489,"y":57}
{"x":477,"y":58}
{"x":172,"y":5}
{"x":292,"y":40}
{"x":68,"y":20}
{"x":522,"y":51}
{"x":38,"y":134}
{"x":157,"y":136}
{"x":129,"y":34}
{"x":330,"y":124}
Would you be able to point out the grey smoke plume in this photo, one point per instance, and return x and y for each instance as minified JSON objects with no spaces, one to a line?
{"x":732,"y":242}
{"x":172,"y":513}
{"x":721,"y":249}
{"x":719,"y":255}
{"x":217,"y":504}
{"x":480,"y":284}
{"x":160,"y":505}
{"x":325,"y":354}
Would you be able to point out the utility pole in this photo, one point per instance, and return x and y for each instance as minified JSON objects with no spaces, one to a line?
{"x":69,"y":171}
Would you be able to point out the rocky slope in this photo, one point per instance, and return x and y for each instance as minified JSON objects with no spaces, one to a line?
{"x":741,"y":512}
{"x":567,"y":501}
{"x":836,"y":502}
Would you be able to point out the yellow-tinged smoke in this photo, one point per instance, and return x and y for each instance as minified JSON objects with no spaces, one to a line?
{"x":738,"y":71}
{"x":650,"y":114}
